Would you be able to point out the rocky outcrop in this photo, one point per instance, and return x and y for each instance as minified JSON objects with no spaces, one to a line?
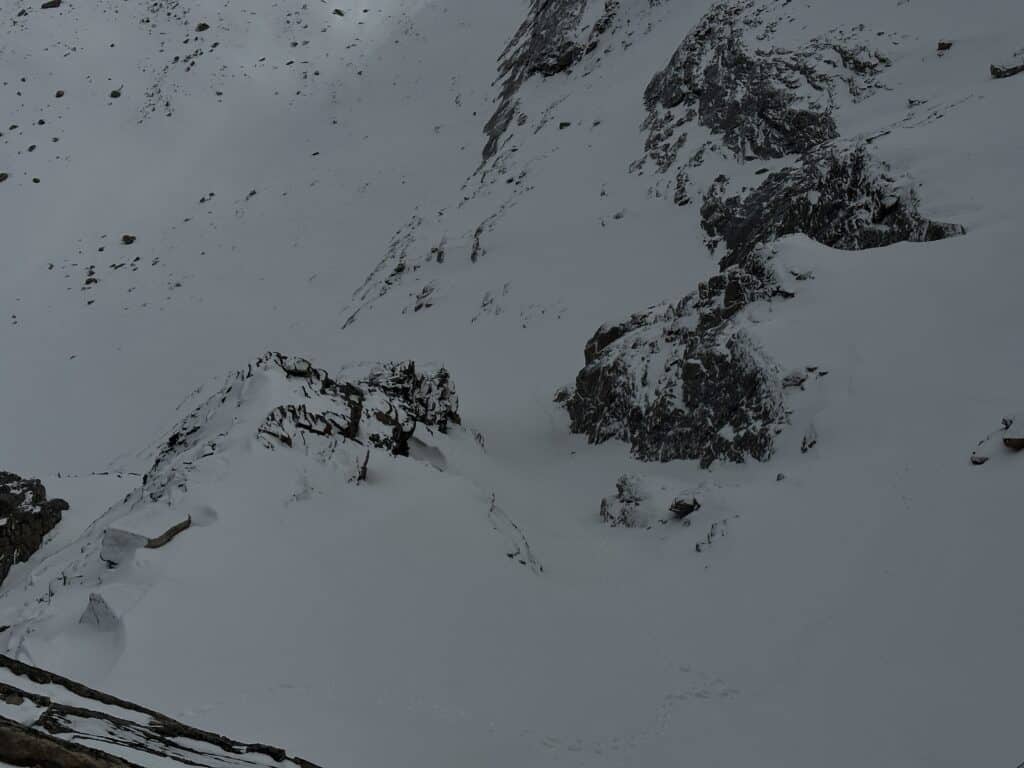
{"x":761,"y":100}
{"x":683,"y":382}
{"x":551,"y":40}
{"x":687,"y":380}
{"x":430,"y":397}
{"x":838,"y":194}
{"x":294,"y":405}
{"x":48,"y":721}
{"x":26,"y":517}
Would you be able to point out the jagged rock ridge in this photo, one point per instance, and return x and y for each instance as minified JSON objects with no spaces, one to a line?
{"x":48,"y":721}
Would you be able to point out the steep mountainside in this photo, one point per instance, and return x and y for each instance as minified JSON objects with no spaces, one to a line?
{"x":710,"y":304}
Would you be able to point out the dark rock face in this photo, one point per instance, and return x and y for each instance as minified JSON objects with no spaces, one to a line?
{"x":26,"y":516}
{"x":73,"y":726}
{"x":548,"y":43}
{"x":761,"y":101}
{"x":684,"y":382}
{"x":838,"y":195}
{"x":713,"y":77}
{"x":430,"y":397}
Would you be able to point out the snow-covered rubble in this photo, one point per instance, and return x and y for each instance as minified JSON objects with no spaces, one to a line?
{"x":555,"y":35}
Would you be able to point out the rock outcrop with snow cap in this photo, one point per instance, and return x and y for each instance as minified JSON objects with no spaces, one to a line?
{"x":686,"y":379}
{"x":683,"y":381}
{"x":26,"y":516}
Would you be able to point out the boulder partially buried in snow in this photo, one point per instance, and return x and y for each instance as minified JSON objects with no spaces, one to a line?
{"x":1008,"y":439}
{"x":26,"y":516}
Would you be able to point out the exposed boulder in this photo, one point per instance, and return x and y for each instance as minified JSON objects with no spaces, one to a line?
{"x":684,"y":506}
{"x":1009,"y":68}
{"x":26,"y":517}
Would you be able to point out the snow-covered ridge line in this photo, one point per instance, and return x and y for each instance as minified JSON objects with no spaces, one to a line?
{"x":278,"y":402}
{"x":49,"y":720}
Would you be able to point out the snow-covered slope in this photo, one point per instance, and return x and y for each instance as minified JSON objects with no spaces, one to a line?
{"x":47,"y":720}
{"x":762,"y":253}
